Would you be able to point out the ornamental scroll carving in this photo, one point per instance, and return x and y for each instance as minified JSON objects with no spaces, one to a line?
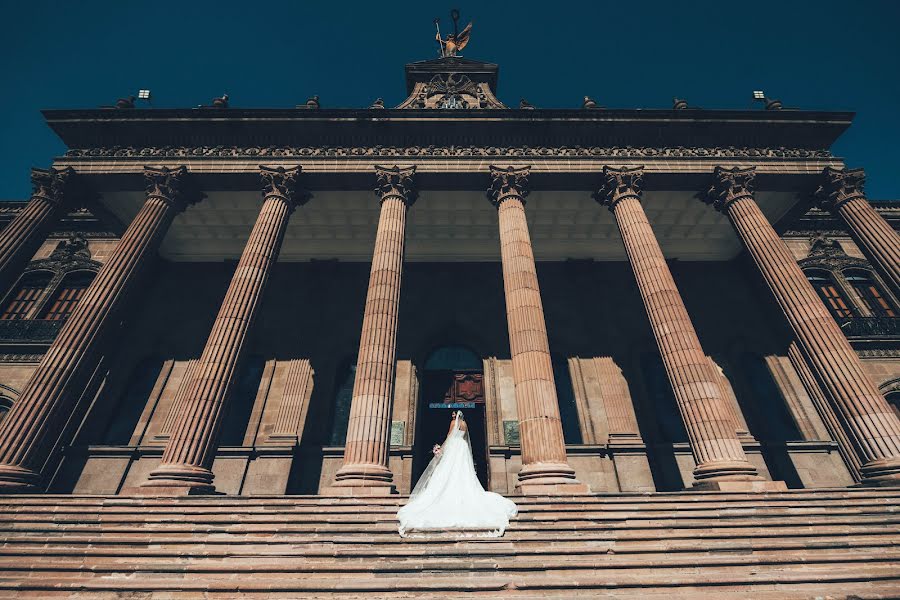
{"x":445,"y":151}
{"x":453,"y":91}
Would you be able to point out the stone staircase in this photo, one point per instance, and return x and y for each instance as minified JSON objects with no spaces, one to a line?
{"x":796,"y":544}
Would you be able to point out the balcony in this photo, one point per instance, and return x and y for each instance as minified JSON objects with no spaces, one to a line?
{"x":871,"y":328}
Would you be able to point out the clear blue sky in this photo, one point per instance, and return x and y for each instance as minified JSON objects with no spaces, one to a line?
{"x":815,"y":55}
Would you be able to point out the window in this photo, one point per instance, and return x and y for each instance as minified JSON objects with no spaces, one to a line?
{"x":568,"y":409}
{"x":662,"y":399}
{"x":23,"y":299}
{"x":239,"y":406}
{"x":343,"y":396}
{"x":829,"y":293}
{"x":132,"y":402}
{"x":66,"y":297}
{"x":871,"y":294}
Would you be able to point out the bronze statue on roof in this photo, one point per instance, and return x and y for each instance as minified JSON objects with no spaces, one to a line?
{"x":455,"y":41}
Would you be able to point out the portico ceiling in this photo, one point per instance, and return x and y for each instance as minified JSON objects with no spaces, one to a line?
{"x":449,"y":226}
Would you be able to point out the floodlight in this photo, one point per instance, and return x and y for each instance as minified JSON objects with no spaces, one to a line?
{"x":759,"y":95}
{"x":144,"y":94}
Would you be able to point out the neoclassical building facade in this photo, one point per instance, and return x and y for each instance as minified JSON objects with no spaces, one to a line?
{"x":213,"y":301}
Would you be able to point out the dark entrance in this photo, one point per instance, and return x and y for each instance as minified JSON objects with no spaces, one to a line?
{"x":443,"y":391}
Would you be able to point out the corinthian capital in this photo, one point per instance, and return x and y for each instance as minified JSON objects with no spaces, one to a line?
{"x":171,"y":184}
{"x":51,"y":184}
{"x":395,"y":181}
{"x":840,"y":186}
{"x":729,"y":185}
{"x":278,"y":181}
{"x":508,"y":182}
{"x":619,"y":184}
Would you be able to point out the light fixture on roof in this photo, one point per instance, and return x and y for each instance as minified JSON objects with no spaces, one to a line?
{"x":771,"y":104}
{"x":143,"y":94}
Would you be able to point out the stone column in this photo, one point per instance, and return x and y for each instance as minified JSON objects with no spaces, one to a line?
{"x":25,"y":234}
{"x":37,"y":418}
{"x":842,"y":193}
{"x":545,"y":468}
{"x":187,"y":459}
{"x":365,"y":470}
{"x":708,"y":419}
{"x":870,"y":423}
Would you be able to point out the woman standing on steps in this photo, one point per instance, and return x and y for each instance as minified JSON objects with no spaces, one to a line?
{"x":449,"y":497}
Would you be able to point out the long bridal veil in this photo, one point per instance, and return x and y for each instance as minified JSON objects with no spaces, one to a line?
{"x":449,"y":497}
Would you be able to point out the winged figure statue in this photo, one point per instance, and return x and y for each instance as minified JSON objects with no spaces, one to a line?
{"x":455,"y":42}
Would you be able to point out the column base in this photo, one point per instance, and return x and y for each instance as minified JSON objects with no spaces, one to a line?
{"x":19,"y":480}
{"x":752,"y":486}
{"x":362,"y":480}
{"x":884,"y":472}
{"x":553,"y":479}
{"x":176,"y":480}
{"x":726,"y":470}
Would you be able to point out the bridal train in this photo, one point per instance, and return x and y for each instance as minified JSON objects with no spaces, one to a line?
{"x":449,"y":497}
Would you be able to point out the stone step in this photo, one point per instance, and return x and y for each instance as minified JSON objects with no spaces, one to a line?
{"x":608,"y":579}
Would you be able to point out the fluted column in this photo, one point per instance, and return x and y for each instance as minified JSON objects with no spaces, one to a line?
{"x":24,"y":235}
{"x":365,"y":470}
{"x":843,"y":194}
{"x":186,"y":464}
{"x":865,"y":415}
{"x":545,"y":468}
{"x":708,"y":419}
{"x":37,"y":418}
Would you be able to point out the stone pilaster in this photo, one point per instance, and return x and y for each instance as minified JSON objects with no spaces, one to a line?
{"x":871,"y":425}
{"x":545,"y":467}
{"x":708,"y":419}
{"x":187,"y":459}
{"x":365,"y":470}
{"x":843,"y":194}
{"x":37,"y":418}
{"x":20,"y":239}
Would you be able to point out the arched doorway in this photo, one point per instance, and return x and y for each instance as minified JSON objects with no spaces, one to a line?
{"x":452,"y":378}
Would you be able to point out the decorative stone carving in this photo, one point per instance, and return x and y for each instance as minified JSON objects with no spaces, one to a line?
{"x":451,"y":91}
{"x":51,"y":184}
{"x":445,"y":151}
{"x":827,"y":253}
{"x":840,"y":186}
{"x":281,"y":182}
{"x":171,"y":185}
{"x":395,"y":181}
{"x":729,"y":185}
{"x":619,"y":184}
{"x":508,"y":182}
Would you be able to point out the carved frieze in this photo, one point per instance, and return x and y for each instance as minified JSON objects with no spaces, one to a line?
{"x":445,"y":151}
{"x":451,"y":91}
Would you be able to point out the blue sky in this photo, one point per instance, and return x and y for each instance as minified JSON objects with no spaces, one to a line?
{"x":814,"y":55}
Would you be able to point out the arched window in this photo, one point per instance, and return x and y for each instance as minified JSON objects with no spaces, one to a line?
{"x":870,"y":293}
{"x":26,"y":294}
{"x":830,"y":294}
{"x":893,"y":399}
{"x":239,"y":405}
{"x":343,"y":396}
{"x":5,"y":407}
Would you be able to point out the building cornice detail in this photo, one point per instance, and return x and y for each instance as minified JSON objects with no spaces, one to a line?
{"x":446,"y":151}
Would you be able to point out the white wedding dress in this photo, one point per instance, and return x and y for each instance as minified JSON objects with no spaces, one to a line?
{"x":449,"y":497}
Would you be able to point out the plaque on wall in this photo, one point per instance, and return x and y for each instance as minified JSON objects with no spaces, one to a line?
{"x":511,"y":432}
{"x":398,"y":428}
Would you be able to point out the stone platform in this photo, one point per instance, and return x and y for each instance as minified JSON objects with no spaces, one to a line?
{"x":795,"y":544}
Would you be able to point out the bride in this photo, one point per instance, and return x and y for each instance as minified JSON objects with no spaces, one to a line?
{"x":449,"y":496}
